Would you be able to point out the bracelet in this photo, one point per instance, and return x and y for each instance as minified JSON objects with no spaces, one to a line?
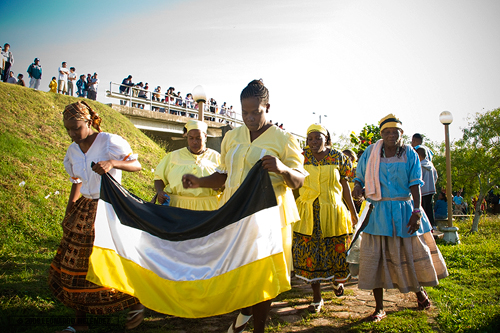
{"x":418,"y":212}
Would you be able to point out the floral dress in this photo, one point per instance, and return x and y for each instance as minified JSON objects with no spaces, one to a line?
{"x":322,"y":236}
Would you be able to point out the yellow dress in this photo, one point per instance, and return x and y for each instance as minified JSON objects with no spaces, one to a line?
{"x":238,"y":156}
{"x":182,"y":161}
{"x":322,"y":236}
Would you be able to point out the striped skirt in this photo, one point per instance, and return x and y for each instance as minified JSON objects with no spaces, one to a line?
{"x":400,"y":263}
{"x":68,"y":271}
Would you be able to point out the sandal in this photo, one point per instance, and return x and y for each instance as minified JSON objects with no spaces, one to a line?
{"x":378,"y":316}
{"x":243,"y":319}
{"x":134,"y":318}
{"x":316,"y":307}
{"x":339,"y":289}
{"x":426,"y":303}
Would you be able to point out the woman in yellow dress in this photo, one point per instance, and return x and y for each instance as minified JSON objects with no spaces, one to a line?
{"x":281,"y":156}
{"x":322,"y":237}
{"x":195,"y":159}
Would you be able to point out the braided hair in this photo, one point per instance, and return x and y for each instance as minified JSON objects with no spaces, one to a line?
{"x":257,"y":89}
{"x":82,"y":111}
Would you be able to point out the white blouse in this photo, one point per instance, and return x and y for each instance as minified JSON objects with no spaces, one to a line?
{"x":106,"y":147}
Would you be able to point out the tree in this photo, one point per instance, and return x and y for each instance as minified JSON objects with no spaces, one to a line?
{"x":476,"y":158}
{"x":368,"y":135}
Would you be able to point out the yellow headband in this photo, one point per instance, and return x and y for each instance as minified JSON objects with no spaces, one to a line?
{"x":390,"y":121}
{"x":317,"y":128}
{"x":195,"y":124}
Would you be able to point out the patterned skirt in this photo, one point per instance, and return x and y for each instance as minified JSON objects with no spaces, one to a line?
{"x":68,"y":271}
{"x":317,"y":258}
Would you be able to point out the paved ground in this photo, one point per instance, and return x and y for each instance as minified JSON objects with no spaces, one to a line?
{"x":289,"y":313}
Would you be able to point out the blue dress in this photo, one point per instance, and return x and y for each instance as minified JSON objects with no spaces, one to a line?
{"x":390,"y":257}
{"x":391,"y":215}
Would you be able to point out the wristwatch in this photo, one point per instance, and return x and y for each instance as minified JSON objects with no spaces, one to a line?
{"x":418,"y":212}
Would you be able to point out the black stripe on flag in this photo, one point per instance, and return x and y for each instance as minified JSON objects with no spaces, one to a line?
{"x":176,"y":224}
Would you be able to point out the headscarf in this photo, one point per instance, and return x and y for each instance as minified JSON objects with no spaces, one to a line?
{"x":390,"y":121}
{"x":317,"y":128}
{"x":196,"y":124}
{"x":82,"y":111}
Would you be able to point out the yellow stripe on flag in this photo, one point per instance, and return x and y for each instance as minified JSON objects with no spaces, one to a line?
{"x":222,"y":294}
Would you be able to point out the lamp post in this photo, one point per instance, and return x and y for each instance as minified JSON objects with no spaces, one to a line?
{"x":320,"y":117}
{"x":450,"y":232}
{"x":200,"y":97}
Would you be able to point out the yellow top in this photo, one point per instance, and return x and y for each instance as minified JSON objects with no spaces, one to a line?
{"x":323,"y":183}
{"x":181,"y":161}
{"x":239,"y":154}
{"x":53,"y":86}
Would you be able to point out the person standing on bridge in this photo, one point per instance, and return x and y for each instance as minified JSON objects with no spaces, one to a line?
{"x":196,"y":159}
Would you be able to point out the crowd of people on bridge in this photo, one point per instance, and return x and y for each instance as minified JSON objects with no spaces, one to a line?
{"x":171,"y":98}
{"x":318,"y":222}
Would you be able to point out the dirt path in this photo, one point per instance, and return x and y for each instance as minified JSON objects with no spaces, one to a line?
{"x":289,"y":312}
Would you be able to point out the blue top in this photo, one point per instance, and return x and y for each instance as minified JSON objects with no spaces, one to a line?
{"x":458,"y":200}
{"x":441,"y":208}
{"x":35,"y":71}
{"x":391,"y":215}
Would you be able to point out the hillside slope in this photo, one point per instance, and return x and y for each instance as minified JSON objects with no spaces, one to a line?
{"x":33,"y":142}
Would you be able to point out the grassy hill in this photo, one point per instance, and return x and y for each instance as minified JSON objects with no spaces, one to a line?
{"x":33,"y":142}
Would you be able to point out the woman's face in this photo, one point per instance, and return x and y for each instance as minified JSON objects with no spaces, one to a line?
{"x":253,"y":113}
{"x":317,"y":142}
{"x":78,"y":130}
{"x":391,"y":136}
{"x":196,"y":141}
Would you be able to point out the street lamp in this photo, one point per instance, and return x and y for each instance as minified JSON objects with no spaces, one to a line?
{"x":320,"y":117}
{"x":200,"y":97}
{"x":450,"y":232}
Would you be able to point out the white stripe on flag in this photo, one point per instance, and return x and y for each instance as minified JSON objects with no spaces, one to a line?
{"x":253,"y":238}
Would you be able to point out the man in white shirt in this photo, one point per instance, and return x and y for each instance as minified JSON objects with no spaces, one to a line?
{"x":71,"y":80}
{"x":62,"y":81}
{"x":7,"y":61}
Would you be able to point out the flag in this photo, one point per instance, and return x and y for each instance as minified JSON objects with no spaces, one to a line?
{"x":188,"y":263}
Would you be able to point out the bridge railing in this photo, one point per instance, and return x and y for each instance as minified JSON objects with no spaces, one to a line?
{"x":130,"y":95}
{"x":165,"y":103}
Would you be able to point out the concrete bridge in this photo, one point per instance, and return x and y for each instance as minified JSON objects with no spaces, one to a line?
{"x":169,"y":127}
{"x":165,"y":121}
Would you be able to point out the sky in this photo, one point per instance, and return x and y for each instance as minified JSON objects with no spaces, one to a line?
{"x":350,"y":61}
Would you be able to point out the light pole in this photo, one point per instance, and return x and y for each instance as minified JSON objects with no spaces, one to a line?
{"x":320,"y":117}
{"x":450,"y":232}
{"x":200,"y":97}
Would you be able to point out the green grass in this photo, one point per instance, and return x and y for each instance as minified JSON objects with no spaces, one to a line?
{"x":33,"y":142}
{"x":469,"y":299}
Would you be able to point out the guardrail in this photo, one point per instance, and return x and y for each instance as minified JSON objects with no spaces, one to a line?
{"x":140,"y":98}
{"x":187,"y":109}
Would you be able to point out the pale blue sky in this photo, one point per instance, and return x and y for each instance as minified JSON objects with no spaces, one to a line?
{"x":354,"y":61}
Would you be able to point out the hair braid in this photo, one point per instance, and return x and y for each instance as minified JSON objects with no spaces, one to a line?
{"x":257,"y":89}
{"x":82,"y":111}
